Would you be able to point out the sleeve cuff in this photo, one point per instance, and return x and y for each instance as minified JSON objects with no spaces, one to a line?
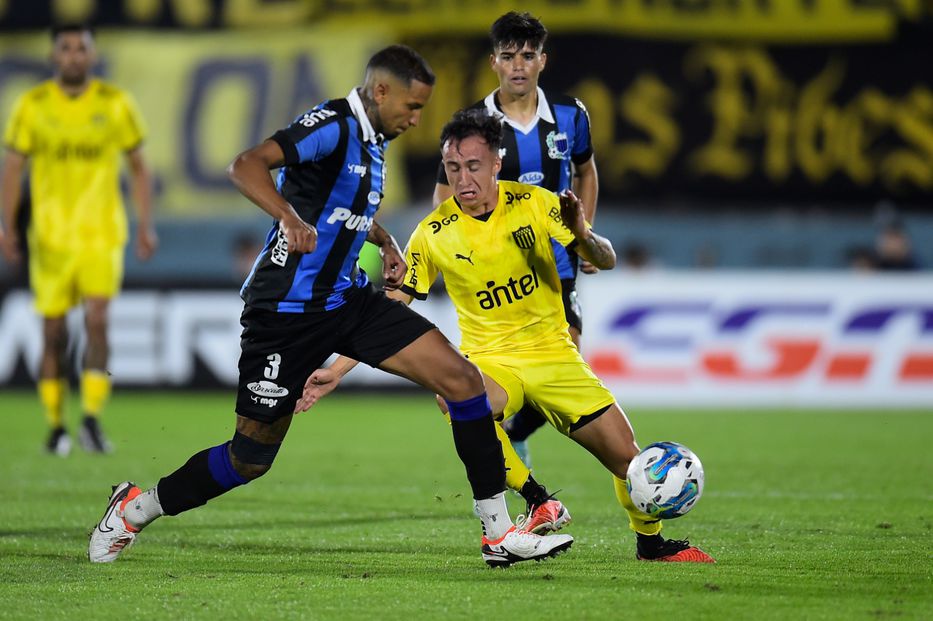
{"x":580,"y":158}
{"x":134,"y":146}
{"x":289,"y":150}
{"x":409,"y":291}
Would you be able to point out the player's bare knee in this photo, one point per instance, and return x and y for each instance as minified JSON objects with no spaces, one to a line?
{"x":252,"y":459}
{"x":464,"y":382}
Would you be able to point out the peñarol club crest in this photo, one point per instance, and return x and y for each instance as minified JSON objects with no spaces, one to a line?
{"x":524,"y":237}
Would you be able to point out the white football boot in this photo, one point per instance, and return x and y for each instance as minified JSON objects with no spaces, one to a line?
{"x":518,"y":545}
{"x":112,"y":534}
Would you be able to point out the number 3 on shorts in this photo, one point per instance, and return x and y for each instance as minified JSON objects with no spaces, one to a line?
{"x":272,"y":371}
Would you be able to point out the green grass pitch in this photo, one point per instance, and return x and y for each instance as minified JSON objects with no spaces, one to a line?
{"x":366,"y":515}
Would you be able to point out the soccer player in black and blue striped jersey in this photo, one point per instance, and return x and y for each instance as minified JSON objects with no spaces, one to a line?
{"x":306,"y":298}
{"x":546,"y":142}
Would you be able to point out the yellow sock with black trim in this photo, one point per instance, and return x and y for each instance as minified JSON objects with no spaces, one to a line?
{"x":95,"y":388}
{"x":641,"y":523}
{"x":52,"y":397}
{"x":516,"y":472}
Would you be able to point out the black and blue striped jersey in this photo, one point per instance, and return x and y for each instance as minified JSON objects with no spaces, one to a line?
{"x":333,"y":176}
{"x":541,"y":153}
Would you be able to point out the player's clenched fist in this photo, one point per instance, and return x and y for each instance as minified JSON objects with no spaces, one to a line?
{"x":393,"y":267}
{"x":301,"y":236}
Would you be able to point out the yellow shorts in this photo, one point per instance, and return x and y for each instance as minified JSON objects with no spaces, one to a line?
{"x":554,"y":379}
{"x":61,"y":279}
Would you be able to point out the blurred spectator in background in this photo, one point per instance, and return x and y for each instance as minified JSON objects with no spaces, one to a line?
{"x":861,"y":259}
{"x":893,"y":249}
{"x":71,"y":130}
{"x":636,"y":256}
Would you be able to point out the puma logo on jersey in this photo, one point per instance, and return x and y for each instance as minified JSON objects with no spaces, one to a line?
{"x":468,"y":259}
{"x":351,"y":221}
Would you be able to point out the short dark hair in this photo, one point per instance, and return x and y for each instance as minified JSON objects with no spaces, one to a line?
{"x":58,"y":29}
{"x":515,"y":29}
{"x":404,"y":63}
{"x":473,"y":122}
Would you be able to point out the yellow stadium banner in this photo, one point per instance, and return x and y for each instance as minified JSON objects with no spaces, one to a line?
{"x":208,"y":96}
{"x":831,"y":124}
{"x":770,"y":21}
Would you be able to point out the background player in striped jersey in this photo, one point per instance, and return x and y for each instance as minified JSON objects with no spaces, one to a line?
{"x":546,"y":142}
{"x":306,"y":298}
{"x":71,"y":130}
{"x":508,"y":306}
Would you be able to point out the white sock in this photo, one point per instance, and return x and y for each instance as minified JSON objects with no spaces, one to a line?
{"x":494,"y":514}
{"x":144,"y":509}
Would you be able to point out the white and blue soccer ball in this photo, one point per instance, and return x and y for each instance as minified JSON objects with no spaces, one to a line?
{"x":665,"y":480}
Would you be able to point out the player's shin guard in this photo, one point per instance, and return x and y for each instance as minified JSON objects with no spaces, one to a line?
{"x":206,"y":475}
{"x":516,"y":472}
{"x":641,"y":523}
{"x":477,"y":445}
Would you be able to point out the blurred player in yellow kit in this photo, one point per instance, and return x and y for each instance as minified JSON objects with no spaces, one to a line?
{"x":71,"y":130}
{"x":492,"y":242}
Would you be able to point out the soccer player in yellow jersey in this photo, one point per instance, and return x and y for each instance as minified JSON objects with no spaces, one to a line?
{"x":491,"y":241}
{"x":72,"y":130}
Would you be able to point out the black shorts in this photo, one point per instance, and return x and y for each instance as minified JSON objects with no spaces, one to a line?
{"x":278,"y":351}
{"x":572,"y":311}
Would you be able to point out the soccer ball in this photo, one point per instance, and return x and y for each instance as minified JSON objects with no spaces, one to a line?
{"x":665,"y":480}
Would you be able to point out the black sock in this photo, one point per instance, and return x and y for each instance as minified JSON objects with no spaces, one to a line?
{"x":481,"y":453}
{"x":524,"y":423}
{"x":206,"y":475}
{"x":533,"y":493}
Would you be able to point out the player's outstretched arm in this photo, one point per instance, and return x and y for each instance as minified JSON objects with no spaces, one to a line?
{"x":590,"y":246}
{"x":323,"y":382}
{"x":249,"y":172}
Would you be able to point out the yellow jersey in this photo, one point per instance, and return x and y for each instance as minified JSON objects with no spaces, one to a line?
{"x":74,"y":145}
{"x":500,"y":273}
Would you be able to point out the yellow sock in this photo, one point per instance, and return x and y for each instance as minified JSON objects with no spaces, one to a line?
{"x":52,"y":397}
{"x":638,"y":521}
{"x":516,"y":473}
{"x":95,"y":388}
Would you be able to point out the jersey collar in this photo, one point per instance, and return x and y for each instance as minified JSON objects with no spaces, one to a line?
{"x":356,"y":106}
{"x":543,"y":112}
{"x":92,"y":86}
